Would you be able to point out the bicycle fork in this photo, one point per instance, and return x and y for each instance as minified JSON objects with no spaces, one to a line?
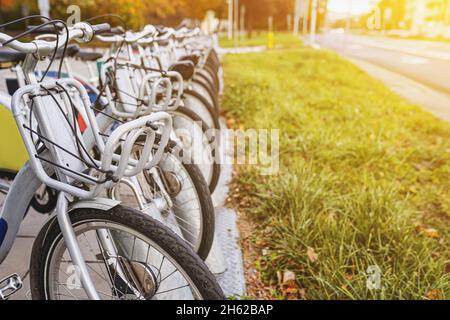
{"x":120,"y":272}
{"x":72,"y":246}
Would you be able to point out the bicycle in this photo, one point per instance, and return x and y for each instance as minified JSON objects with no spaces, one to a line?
{"x":55,"y":145}
{"x":196,"y":221}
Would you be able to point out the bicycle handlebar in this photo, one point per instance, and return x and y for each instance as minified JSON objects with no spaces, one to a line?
{"x":45,"y":29}
{"x":101,"y":28}
{"x":129,"y":37}
{"x":82,"y":32}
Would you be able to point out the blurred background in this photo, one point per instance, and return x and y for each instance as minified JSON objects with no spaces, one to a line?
{"x":365,"y":139}
{"x":401,"y":18}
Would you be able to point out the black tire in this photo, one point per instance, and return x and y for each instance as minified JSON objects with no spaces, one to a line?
{"x":214,"y":75}
{"x":169,"y":242}
{"x":202,"y":74}
{"x":213,"y":58}
{"x":49,"y":205}
{"x":210,"y":92}
{"x":216,"y":168}
{"x":211,"y":110}
{"x":208,"y":212}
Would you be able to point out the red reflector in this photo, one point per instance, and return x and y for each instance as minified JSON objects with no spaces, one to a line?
{"x":81,"y":123}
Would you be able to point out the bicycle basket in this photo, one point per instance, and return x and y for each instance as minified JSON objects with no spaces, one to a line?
{"x":46,"y":116}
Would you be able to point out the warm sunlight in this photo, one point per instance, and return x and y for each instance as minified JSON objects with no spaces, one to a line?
{"x":250,"y":151}
{"x":354,"y":6}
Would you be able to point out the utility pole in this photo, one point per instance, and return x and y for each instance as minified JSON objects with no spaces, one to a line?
{"x":236,"y":22}
{"x":270,"y":35}
{"x":289,"y":22}
{"x":313,"y":22}
{"x":298,"y":11}
{"x":230,"y":19}
{"x":348,"y":21}
{"x":305,"y":16}
{"x":242,"y":21}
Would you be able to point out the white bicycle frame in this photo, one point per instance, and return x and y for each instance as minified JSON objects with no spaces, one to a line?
{"x":33,"y":174}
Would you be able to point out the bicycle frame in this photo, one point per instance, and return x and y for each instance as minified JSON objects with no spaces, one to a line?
{"x":26,"y":182}
{"x":23,"y":190}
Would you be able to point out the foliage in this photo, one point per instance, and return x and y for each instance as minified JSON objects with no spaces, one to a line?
{"x":140,"y":12}
{"x":258,"y":39}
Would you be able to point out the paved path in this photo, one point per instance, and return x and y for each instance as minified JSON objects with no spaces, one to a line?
{"x":241,"y":50}
{"x":423,"y":61}
{"x":417,"y":70}
{"x":436,"y":102}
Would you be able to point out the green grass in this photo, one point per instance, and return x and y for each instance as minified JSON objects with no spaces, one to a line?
{"x":259,"y":39}
{"x":363,"y":179}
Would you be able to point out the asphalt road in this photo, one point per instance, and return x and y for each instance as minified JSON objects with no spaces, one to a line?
{"x":423,"y":61}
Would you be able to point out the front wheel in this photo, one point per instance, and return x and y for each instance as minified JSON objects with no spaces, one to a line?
{"x":129,"y":255}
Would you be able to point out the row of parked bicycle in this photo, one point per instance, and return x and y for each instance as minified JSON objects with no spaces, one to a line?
{"x":123,"y":156}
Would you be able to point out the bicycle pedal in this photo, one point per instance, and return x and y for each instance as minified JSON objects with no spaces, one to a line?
{"x":9,"y":286}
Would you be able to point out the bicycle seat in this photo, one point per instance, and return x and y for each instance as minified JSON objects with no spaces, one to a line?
{"x":89,"y":55}
{"x":71,"y":51}
{"x":9,"y":56}
{"x":192,"y":57}
{"x":185,"y":68}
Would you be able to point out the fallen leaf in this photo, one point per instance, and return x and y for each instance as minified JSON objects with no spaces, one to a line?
{"x":434,"y":294}
{"x":291,"y":290}
{"x":349,"y":276}
{"x":312,"y":255}
{"x":231,"y":122}
{"x":431,"y":233}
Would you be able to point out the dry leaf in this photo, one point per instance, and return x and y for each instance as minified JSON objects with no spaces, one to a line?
{"x":434,"y":294}
{"x":431,"y":233}
{"x":312,"y":255}
{"x":349,"y":276}
{"x":231,"y":122}
{"x":291,"y":290}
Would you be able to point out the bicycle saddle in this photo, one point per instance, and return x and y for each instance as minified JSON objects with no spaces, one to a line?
{"x":9,"y":56}
{"x":192,"y":57}
{"x":185,"y":68}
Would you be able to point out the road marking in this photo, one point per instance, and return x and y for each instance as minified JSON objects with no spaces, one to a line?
{"x":407,"y":59}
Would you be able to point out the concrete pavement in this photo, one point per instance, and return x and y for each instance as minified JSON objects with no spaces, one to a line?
{"x":423,"y":61}
{"x":417,"y":70}
{"x":436,"y":102}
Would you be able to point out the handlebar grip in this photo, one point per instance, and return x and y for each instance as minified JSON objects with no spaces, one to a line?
{"x":101,"y":28}
{"x":117,"y":30}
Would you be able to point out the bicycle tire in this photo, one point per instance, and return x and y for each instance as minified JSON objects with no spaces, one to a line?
{"x":169,"y":242}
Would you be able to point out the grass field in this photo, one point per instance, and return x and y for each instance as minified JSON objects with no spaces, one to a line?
{"x":363,"y":182}
{"x":258,"y":39}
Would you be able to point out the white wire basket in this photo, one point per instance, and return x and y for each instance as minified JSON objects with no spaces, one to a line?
{"x":47,"y":118}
